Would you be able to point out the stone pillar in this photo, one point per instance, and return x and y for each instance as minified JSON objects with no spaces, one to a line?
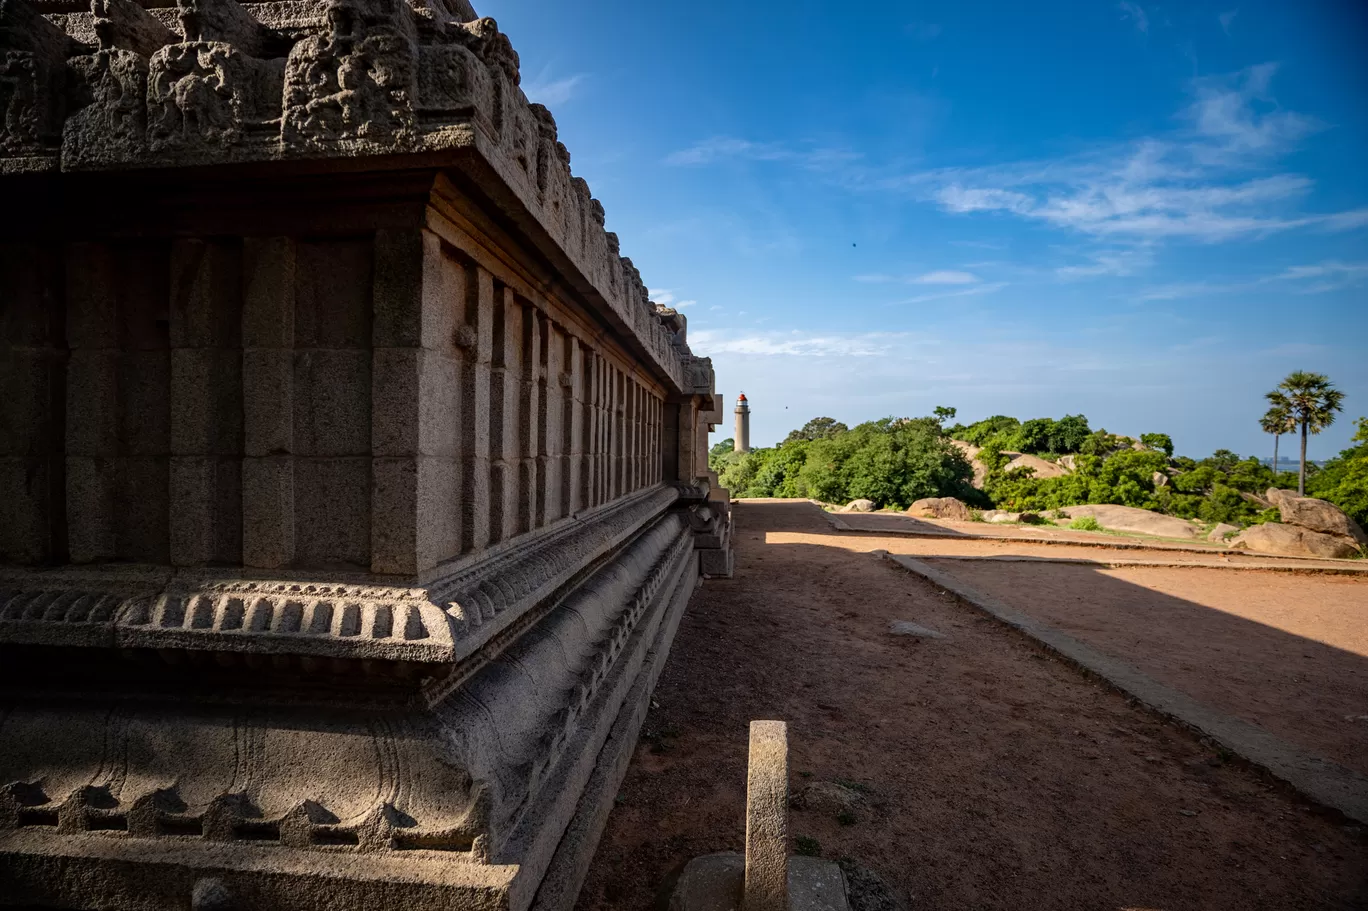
{"x":206,"y":402}
{"x":530,"y":420}
{"x":32,"y":402}
{"x":505,"y":378}
{"x":572,"y":407}
{"x":475,"y":337}
{"x":417,"y":405}
{"x":117,"y":402}
{"x":766,"y":886}
{"x":268,"y":318}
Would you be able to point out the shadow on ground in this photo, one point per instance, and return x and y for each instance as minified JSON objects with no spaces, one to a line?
{"x":985,"y":773}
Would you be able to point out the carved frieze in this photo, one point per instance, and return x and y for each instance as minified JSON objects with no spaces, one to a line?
{"x":358,"y":80}
{"x":698,"y":375}
{"x":200,"y":93}
{"x":32,"y":72}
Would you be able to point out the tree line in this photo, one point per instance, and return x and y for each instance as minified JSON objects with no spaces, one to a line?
{"x":895,"y":461}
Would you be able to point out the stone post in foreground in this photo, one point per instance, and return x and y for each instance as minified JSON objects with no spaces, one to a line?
{"x":767,"y":818}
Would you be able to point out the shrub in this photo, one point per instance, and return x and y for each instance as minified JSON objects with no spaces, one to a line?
{"x":1085,"y":523}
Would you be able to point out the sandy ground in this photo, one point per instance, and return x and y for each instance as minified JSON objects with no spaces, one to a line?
{"x":988,"y":775}
{"x":946,"y":530}
{"x":1065,"y":548}
{"x":1287,"y":652}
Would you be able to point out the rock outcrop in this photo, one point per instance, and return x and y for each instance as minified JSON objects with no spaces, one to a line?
{"x":1042,"y":467}
{"x":1315,"y":515}
{"x":1291,"y":541}
{"x":1016,"y":461}
{"x":1138,"y":521}
{"x":1002,"y":517}
{"x":971,"y":453}
{"x":1220,"y":532}
{"x":858,"y":506}
{"x":940,"y":508}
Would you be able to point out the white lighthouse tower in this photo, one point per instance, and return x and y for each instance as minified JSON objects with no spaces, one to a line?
{"x":741,"y":440}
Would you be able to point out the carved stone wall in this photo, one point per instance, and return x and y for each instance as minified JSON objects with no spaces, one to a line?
{"x":353,"y":487}
{"x":378,"y":403}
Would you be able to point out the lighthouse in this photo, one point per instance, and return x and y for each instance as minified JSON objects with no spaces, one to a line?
{"x":741,"y":440}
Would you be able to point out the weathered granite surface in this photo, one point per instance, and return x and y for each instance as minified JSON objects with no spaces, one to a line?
{"x":353,"y":488}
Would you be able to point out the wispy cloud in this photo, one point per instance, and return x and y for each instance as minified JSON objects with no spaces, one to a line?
{"x":1225,"y":112}
{"x":1227,"y":18}
{"x":551,"y":92}
{"x":666,"y":298}
{"x":1135,"y":13}
{"x":988,"y":288}
{"x":1192,"y":183}
{"x":1315,"y":278}
{"x":945,"y":277}
{"x":937,"y":277}
{"x":1120,"y":262}
{"x":797,"y":344}
{"x":723,"y":148}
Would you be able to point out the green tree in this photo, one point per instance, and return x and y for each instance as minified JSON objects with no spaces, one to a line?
{"x":1034,"y":435}
{"x":943,"y":413}
{"x":1068,"y":433}
{"x":1344,"y":479}
{"x":891,"y":461}
{"x":999,"y":427}
{"x":817,"y":429}
{"x":1223,"y":460}
{"x":1277,"y":421}
{"x":1158,"y":441}
{"x":1312,"y":401}
{"x":718,"y":453}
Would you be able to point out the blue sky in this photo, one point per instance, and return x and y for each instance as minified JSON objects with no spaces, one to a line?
{"x":1147,"y":214}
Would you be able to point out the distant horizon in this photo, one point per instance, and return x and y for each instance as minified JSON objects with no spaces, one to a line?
{"x":1148,"y":214}
{"x":726,"y":429}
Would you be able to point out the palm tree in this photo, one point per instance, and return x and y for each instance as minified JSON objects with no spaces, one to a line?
{"x":1311,"y":402}
{"x":1277,"y":421}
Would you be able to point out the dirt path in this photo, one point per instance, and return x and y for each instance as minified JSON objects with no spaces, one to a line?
{"x":940,"y":536}
{"x":1289,"y":653}
{"x":991,"y":776}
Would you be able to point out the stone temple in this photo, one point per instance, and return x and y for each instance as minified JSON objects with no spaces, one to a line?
{"x":351,"y":488}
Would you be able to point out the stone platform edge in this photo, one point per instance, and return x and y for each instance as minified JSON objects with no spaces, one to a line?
{"x":1321,"y":781}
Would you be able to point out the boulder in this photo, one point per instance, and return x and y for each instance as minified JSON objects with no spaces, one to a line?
{"x":940,"y":508}
{"x":1138,"y":521}
{"x":1256,"y":500}
{"x":971,"y":452}
{"x":1043,"y":468}
{"x":1219,"y":533}
{"x":998,"y":517}
{"x":1160,"y":479}
{"x":1291,"y":541}
{"x":858,"y":506}
{"x":1069,"y":461}
{"x":1315,"y":515}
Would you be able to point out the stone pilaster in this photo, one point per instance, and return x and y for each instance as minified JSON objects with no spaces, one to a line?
{"x":268,"y":315}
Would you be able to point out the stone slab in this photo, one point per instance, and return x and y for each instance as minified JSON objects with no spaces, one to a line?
{"x":713,"y":882}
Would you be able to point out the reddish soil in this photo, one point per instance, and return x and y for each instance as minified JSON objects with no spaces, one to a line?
{"x":991,"y":775}
{"x":943,"y":533}
{"x":1287,"y":652}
